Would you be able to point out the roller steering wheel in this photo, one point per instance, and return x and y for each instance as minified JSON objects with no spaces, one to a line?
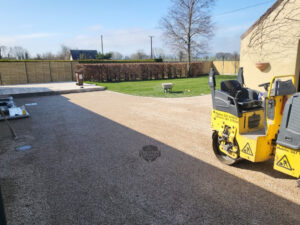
{"x":265,"y":85}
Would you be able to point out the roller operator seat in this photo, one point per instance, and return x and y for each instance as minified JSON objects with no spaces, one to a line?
{"x":246,"y":98}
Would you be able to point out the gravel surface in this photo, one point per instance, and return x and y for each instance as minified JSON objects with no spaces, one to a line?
{"x":85,"y":166}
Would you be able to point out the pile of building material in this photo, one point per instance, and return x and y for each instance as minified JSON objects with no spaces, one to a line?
{"x":8,"y":109}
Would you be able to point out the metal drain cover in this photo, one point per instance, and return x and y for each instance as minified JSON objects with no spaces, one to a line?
{"x":24,"y":148}
{"x":150,"y":153}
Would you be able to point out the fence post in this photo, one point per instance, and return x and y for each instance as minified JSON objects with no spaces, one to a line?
{"x":51,"y":79}
{"x":71,"y":71}
{"x":223,"y":66}
{"x":235,"y":67}
{"x":26,"y":72}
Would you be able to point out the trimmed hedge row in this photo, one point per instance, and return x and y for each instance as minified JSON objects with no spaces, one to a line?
{"x":120,"y":61}
{"x":88,"y":61}
{"x":138,"y":71}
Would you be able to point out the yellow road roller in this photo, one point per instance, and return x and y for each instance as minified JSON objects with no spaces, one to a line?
{"x":255,"y":126}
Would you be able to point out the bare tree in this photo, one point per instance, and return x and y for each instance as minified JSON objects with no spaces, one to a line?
{"x":188,"y":26}
{"x":236,"y":56}
{"x":10,"y":52}
{"x":46,"y":56}
{"x":159,"y":53}
{"x":64,"y":53}
{"x":140,"y":54}
{"x":117,"y":55}
{"x":181,"y":56}
{"x":227,"y":56}
{"x":38,"y":57}
{"x":15,"y":52}
{"x":2,"y":51}
{"x":221,"y":56}
{"x":20,"y":53}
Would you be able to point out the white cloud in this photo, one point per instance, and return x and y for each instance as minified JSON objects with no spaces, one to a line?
{"x":126,"y":41}
{"x":16,"y":39}
{"x":223,"y":30}
{"x":227,"y":38}
{"x":35,"y":35}
{"x":95,"y":27}
{"x":226,"y":44}
{"x":26,"y":26}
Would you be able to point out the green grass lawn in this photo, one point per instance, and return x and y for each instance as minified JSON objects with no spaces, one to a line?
{"x":184,"y":87}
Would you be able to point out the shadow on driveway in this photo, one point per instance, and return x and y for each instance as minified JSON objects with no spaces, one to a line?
{"x":86,"y":169}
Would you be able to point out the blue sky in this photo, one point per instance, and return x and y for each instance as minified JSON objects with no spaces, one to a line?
{"x":43,"y":25}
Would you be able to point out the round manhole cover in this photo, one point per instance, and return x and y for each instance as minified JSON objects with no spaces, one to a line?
{"x":150,"y":153}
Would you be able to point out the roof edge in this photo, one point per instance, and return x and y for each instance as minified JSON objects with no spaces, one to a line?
{"x":263,"y":17}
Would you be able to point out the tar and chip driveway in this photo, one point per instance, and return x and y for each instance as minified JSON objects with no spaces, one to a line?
{"x":84,"y":167}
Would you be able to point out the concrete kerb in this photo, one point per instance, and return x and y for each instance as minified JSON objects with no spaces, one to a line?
{"x":46,"y":89}
{"x":59,"y":92}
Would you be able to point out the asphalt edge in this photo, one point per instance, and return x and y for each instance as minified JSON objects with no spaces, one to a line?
{"x":2,"y":210}
{"x":62,"y":92}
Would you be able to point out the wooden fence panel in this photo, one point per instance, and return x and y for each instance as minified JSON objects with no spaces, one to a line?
{"x":226,"y":67}
{"x":38,"y":72}
{"x":61,"y":71}
{"x":54,"y":71}
{"x":13,"y":73}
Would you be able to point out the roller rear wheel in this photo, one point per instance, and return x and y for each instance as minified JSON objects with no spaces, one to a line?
{"x":219,"y":154}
